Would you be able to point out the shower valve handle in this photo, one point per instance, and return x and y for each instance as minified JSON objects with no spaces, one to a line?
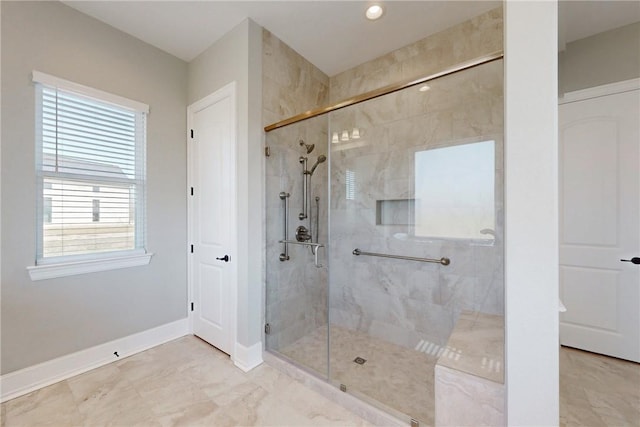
{"x":634,"y":260}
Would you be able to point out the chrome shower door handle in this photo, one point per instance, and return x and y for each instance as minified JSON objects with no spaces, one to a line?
{"x":634,"y":260}
{"x":284,"y":256}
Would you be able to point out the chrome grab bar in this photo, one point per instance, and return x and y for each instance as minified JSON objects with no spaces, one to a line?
{"x":314,"y":248}
{"x":443,"y":260}
{"x":285,"y":197}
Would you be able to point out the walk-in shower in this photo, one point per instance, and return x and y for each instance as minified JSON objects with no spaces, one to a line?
{"x":397,"y":274}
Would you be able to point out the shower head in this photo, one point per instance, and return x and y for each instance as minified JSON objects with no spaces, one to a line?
{"x":308,"y":147}
{"x":321,"y":159}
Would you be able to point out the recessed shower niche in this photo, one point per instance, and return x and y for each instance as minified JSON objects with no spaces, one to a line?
{"x":395,"y":212}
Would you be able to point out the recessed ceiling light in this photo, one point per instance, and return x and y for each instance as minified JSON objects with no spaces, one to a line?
{"x":374,"y":12}
{"x":424,"y":88}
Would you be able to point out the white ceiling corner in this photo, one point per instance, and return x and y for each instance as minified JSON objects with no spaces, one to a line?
{"x":333,"y":35}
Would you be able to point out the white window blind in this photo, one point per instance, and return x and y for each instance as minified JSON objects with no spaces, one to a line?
{"x":91,"y":173}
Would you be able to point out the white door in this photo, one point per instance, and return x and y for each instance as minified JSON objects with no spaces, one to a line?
{"x":600,"y":224}
{"x":212,"y":275}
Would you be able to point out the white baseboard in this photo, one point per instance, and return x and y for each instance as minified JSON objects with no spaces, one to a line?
{"x":247,"y":358}
{"x":26,"y":380}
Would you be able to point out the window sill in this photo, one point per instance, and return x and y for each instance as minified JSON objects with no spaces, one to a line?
{"x":51,"y":271}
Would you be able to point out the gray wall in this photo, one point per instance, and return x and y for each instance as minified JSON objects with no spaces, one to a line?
{"x":608,"y":57}
{"x":236,"y":57}
{"x":50,"y":318}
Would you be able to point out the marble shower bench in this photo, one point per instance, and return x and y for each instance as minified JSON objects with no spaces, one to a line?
{"x":469,"y":375}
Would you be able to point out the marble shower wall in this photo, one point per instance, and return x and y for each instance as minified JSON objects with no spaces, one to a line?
{"x":471,"y":39}
{"x":399,"y":301}
{"x":290,"y":83}
{"x":296,"y":300}
{"x":404,"y":302}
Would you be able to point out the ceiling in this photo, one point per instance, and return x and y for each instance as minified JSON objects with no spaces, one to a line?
{"x":333,"y":35}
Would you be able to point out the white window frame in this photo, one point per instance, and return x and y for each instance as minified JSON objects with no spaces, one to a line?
{"x":52,"y":267}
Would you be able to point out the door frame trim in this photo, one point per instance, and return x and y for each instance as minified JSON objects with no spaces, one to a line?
{"x":597,"y":91}
{"x":226,"y":91}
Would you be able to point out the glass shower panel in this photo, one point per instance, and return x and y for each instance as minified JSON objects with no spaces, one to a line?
{"x":417,"y":174}
{"x":296,"y":191}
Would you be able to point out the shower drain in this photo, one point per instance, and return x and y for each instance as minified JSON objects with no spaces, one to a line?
{"x":359,"y":360}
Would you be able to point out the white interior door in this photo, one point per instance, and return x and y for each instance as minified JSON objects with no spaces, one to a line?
{"x":212,"y":275}
{"x":600,"y":224}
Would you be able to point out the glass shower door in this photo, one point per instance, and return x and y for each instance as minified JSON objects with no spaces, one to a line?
{"x":296,"y":226}
{"x":416,"y":236}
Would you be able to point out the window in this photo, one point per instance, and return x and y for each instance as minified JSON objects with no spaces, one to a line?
{"x":90,"y":167}
{"x":454,"y":191}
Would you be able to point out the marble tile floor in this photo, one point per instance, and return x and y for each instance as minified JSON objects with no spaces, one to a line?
{"x":394,"y":378}
{"x":185,"y":382}
{"x":597,"y":390}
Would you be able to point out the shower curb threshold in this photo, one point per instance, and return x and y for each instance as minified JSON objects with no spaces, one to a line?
{"x":351,"y":403}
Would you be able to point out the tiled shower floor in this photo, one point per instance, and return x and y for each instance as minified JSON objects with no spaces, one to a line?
{"x":398,"y":377}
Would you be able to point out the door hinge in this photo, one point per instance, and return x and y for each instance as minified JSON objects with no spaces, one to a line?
{"x":191,"y":306}
{"x":192,"y":191}
{"x":191,"y":248}
{"x":191,"y":133}
{"x":267,"y":328}
{"x":267,"y":151}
